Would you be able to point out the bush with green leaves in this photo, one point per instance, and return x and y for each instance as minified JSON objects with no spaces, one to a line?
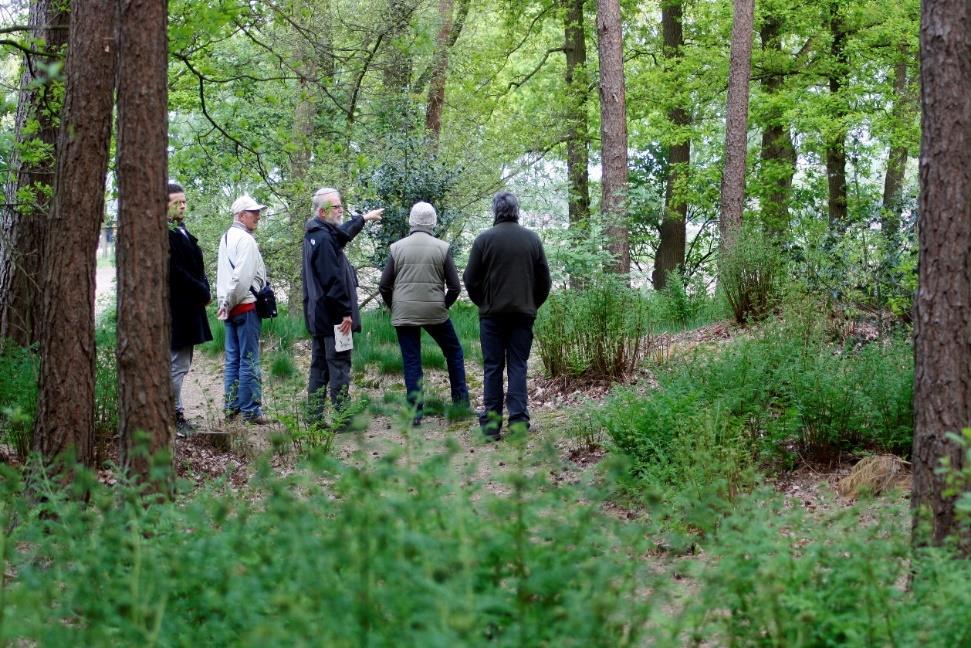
{"x":19,"y":368}
{"x":779,"y":576}
{"x":385,"y":553}
{"x":778,"y":398}
{"x":597,"y":333}
{"x":750,"y":275}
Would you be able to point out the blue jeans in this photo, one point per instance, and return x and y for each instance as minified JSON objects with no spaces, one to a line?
{"x":409,"y":340}
{"x":242,"y":367}
{"x":506,"y":342}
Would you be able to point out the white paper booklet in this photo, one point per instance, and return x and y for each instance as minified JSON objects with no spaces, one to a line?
{"x":342,"y":341}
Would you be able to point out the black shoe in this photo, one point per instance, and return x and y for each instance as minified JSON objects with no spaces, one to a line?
{"x":416,"y":422}
{"x":182,"y":426}
{"x":491,"y":436}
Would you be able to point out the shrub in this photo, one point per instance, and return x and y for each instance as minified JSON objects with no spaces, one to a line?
{"x":19,"y":368}
{"x":750,"y":276}
{"x":385,"y":554}
{"x":596,"y":333}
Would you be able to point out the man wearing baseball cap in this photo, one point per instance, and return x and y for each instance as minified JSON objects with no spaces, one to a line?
{"x":240,"y":268}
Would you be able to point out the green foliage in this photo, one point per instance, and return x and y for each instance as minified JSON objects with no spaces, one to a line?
{"x":750,"y":276}
{"x":777,"y":576}
{"x":384,"y":555}
{"x":18,"y":395}
{"x":784,"y":395}
{"x":597,"y":332}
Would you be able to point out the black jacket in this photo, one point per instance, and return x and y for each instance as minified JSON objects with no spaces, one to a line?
{"x":188,"y":290}
{"x":507,"y":271}
{"x":329,"y":280}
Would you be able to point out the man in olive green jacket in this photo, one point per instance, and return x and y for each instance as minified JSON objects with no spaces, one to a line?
{"x":413,"y":285}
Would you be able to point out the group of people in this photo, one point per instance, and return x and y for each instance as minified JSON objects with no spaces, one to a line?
{"x":507,"y":277}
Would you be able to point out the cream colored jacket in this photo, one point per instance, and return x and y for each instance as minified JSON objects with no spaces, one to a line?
{"x":233,"y":283}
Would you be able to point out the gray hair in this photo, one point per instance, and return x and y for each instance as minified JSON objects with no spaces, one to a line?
{"x":318,"y":199}
{"x":505,"y":206}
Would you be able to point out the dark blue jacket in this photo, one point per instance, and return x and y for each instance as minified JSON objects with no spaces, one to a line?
{"x":329,"y":279}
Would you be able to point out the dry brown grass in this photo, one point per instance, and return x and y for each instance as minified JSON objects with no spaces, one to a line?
{"x":874,"y":475}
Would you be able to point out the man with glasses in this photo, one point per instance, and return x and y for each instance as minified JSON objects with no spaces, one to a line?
{"x":330,"y":296}
{"x":240,"y":269}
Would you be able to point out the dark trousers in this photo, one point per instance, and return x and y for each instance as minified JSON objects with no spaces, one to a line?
{"x":506,"y":342}
{"x":327,"y":367}
{"x":409,"y":340}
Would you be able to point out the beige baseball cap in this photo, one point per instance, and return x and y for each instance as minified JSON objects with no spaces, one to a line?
{"x":246,"y":203}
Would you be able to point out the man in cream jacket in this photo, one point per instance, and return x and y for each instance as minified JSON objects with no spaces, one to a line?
{"x":241,"y":268}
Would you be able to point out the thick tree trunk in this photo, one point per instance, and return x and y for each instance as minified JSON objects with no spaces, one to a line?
{"x":613,"y":132}
{"x":65,"y":407}
{"x":577,"y":142}
{"x":673,"y":237}
{"x":778,"y":156}
{"x":24,"y":222}
{"x":836,"y":148}
{"x":736,"y":124}
{"x":144,"y":386}
{"x":942,"y":322}
{"x":897,"y":158}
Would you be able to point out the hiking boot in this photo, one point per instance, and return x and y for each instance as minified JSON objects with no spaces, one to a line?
{"x":259,"y":419}
{"x":182,"y":426}
{"x":230,"y":414}
{"x":416,"y":422}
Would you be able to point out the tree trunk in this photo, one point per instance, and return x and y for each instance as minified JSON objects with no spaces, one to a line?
{"x":736,"y":124}
{"x":942,"y":322}
{"x":836,"y":148}
{"x":897,"y":158}
{"x":778,"y":156}
{"x":397,"y":60}
{"x":436,"y":88}
{"x":144,"y":334}
{"x":65,"y":407}
{"x":613,"y":132}
{"x":673,"y":237}
{"x":577,"y":142}
{"x":24,"y":222}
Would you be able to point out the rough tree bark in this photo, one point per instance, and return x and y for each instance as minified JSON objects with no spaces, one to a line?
{"x":778,"y":154}
{"x":673,"y":237}
{"x":449,"y":30}
{"x":736,"y":124}
{"x":144,"y":388}
{"x":942,"y":322}
{"x":577,"y":142}
{"x":897,"y":157}
{"x":65,"y":407}
{"x":836,"y":147}
{"x":24,"y":222}
{"x":613,"y":132}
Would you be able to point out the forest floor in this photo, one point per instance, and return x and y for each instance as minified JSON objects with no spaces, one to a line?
{"x":554,"y":443}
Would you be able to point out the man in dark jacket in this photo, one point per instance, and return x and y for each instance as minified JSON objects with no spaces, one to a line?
{"x":330,"y":294}
{"x":413,"y":285}
{"x":508,"y":278}
{"x":188,"y":296}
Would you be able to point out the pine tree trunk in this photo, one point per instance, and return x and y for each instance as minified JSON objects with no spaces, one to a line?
{"x":836,"y":148}
{"x":613,"y":132}
{"x":942,"y":322}
{"x":65,"y":407}
{"x":144,"y":385}
{"x":24,"y":221}
{"x":673,"y":237}
{"x":736,"y":124}
{"x":897,"y":158}
{"x":778,"y":155}
{"x":577,"y":144}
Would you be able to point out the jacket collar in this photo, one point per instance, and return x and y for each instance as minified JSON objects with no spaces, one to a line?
{"x":421,"y":228}
{"x":315,"y":224}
